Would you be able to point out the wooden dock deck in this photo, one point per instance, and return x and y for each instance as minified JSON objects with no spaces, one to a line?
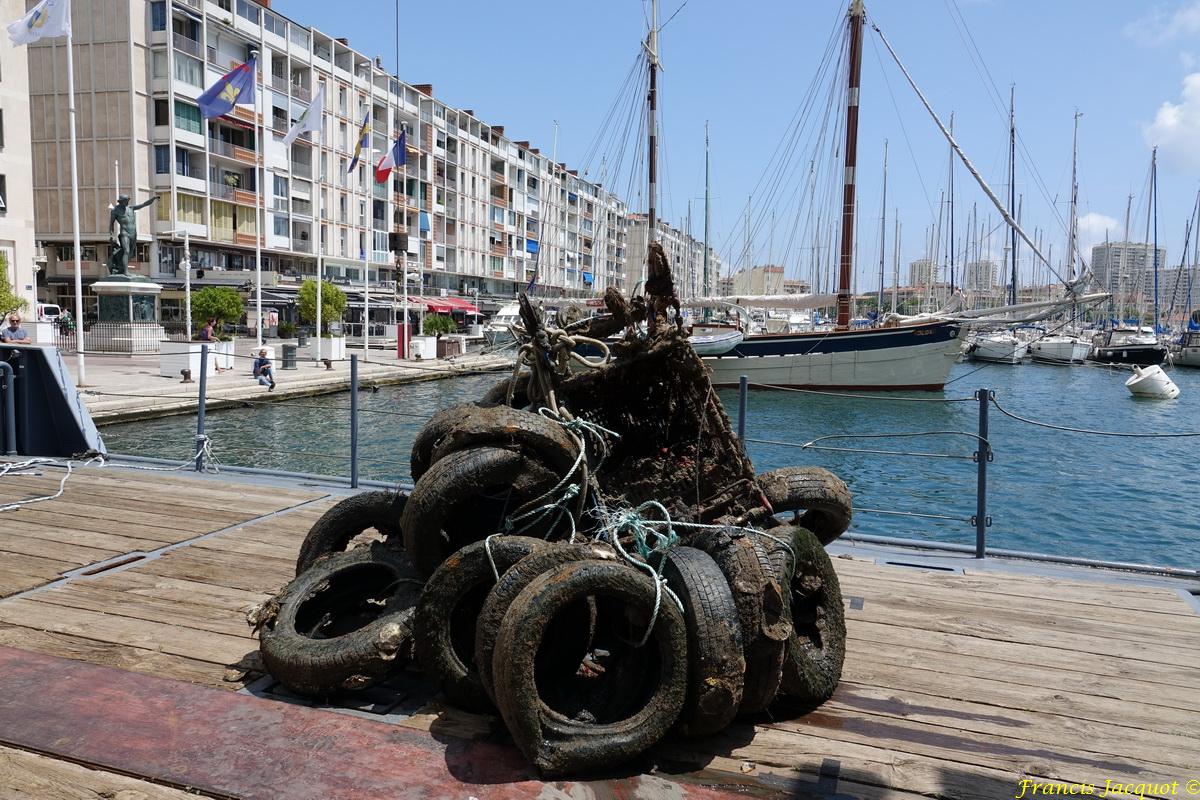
{"x":957,"y":684}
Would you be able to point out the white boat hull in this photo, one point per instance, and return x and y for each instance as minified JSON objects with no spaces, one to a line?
{"x":714,"y":341}
{"x":1053,"y":350}
{"x":1008,"y":350}
{"x":832,"y":361}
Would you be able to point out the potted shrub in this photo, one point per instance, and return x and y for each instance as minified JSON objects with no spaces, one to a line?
{"x":221,"y":303}
{"x":333,"y":307}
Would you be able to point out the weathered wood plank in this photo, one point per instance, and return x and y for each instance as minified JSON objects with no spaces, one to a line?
{"x":26,"y":775}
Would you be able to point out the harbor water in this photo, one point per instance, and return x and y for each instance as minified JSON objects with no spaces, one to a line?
{"x":1107,"y":497}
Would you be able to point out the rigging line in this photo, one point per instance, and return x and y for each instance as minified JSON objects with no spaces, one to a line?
{"x":621,"y":140}
{"x":1123,"y":434}
{"x":662,"y":27}
{"x":967,"y":162}
{"x":593,"y":147}
{"x":903,"y":130}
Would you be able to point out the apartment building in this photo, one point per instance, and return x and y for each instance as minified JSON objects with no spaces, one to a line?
{"x":477,"y":212}
{"x":763,"y":279}
{"x":923,"y":272}
{"x":16,"y":170}
{"x":682,"y":250}
{"x":1127,"y":268}
{"x":979,"y":276}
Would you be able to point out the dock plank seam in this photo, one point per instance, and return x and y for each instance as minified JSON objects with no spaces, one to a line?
{"x":137,"y":558}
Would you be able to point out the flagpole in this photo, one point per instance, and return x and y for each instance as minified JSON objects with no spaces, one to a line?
{"x":320,"y":216}
{"x":402,"y":257}
{"x":79,"y":348}
{"x":258,"y":205}
{"x":368,"y":215}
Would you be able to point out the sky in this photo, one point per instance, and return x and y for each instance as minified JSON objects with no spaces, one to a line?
{"x":1132,"y":69}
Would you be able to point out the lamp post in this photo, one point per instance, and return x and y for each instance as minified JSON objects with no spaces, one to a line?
{"x":187,"y":279}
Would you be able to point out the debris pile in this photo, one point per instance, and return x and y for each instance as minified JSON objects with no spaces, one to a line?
{"x":587,"y":551}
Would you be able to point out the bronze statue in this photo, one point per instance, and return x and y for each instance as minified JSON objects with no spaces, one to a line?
{"x":125,"y":240}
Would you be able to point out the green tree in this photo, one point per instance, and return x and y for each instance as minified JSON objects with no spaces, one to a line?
{"x":439,"y":323}
{"x":9,"y":300}
{"x":220,"y":302}
{"x":333,"y":302}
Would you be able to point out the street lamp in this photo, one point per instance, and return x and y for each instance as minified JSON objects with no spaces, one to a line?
{"x":187,"y":278}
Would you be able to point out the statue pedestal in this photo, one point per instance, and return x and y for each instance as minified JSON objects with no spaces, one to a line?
{"x":128,"y":316}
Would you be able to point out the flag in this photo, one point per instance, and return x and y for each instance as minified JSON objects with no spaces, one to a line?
{"x":48,"y":18}
{"x":234,"y":88}
{"x":310,"y":120}
{"x":391,"y":159}
{"x":364,"y":140}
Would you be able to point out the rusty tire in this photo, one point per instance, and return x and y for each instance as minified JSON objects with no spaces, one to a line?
{"x":431,"y":433}
{"x":498,"y":394}
{"x":539,"y":710}
{"x":449,"y":606}
{"x":817,"y":648}
{"x":761,"y":607}
{"x":465,"y":497}
{"x":822,"y":496}
{"x":716,"y":664}
{"x":511,"y":584}
{"x":352,"y":517}
{"x":344,"y":624}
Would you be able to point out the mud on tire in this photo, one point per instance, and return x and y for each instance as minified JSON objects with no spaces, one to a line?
{"x":447,"y":612}
{"x":549,"y":713}
{"x":343,"y":624}
{"x":817,"y":647}
{"x":822,"y":496}
{"x":349,"y":518}
{"x":431,"y":433}
{"x":512,"y":583}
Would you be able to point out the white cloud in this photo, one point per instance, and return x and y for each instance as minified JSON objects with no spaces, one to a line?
{"x":1161,"y":26}
{"x":1176,"y":128}
{"x":1093,"y":229}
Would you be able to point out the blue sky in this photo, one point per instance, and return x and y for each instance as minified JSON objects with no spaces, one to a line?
{"x":1131,"y":68}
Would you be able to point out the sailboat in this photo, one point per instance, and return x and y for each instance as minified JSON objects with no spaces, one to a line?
{"x":1063,"y":348}
{"x":909,"y":355}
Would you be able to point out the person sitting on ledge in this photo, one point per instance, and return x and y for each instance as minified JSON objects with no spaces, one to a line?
{"x":14,"y":333}
{"x":263,"y":371}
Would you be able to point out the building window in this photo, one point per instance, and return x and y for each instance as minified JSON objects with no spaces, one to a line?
{"x":3,"y":195}
{"x":158,"y":15}
{"x":275,"y":24}
{"x":342,"y":104}
{"x":190,"y":209}
{"x":161,"y":115}
{"x":189,"y":70}
{"x":298,"y":36}
{"x":162,"y":159}
{"x":183,"y":164}
{"x":247,"y":10}
{"x":281,"y":225}
{"x":158,"y":64}
{"x":281,"y":186}
{"x":187,"y":117}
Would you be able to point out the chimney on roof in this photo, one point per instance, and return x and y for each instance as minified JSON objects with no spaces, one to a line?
{"x":498,"y":130}
{"x":343,"y":40}
{"x":523,"y":144}
{"x":424,"y":88}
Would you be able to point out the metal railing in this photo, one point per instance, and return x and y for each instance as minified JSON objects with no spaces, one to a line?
{"x":186,"y":45}
{"x":125,"y":338}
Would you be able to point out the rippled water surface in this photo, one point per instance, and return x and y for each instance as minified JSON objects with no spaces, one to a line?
{"x":1049,"y":491}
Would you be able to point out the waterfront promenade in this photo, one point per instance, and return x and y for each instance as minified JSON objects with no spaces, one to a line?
{"x":127,"y":388}
{"x":121,"y":611}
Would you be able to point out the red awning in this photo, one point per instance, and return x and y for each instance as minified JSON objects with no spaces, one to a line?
{"x":445,"y":305}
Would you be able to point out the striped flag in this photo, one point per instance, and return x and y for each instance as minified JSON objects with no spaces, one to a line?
{"x":364,"y":141}
{"x":391,"y":159}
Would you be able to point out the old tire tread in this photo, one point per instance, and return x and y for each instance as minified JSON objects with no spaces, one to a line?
{"x":817,"y":649}
{"x":823,"y":496}
{"x":348,"y":518}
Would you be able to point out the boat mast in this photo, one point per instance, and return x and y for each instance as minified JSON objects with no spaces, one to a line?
{"x":707,"y":211}
{"x":1074,"y":220}
{"x":652,"y":127}
{"x":1154,"y":200}
{"x":847,"y":250}
{"x":896,"y":261}
{"x":1121,"y":280}
{"x":951,"y":247}
{"x":882,"y":235}
{"x":1012,"y":187}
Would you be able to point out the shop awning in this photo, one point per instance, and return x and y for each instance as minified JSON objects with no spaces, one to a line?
{"x":445,"y":305}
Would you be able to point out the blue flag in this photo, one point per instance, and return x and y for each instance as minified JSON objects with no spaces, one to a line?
{"x":364,"y":140}
{"x":234,"y":88}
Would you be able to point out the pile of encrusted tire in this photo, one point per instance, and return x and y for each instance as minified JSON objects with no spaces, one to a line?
{"x":497,"y":577}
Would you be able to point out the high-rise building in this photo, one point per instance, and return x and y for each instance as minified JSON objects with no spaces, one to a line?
{"x":480,"y":211}
{"x":16,"y":164}
{"x":1127,"y":269}
{"x":979,"y":276}
{"x":763,"y":279}
{"x":682,"y":250}
{"x":922,"y":272}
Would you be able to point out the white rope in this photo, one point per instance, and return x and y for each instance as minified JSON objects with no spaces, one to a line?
{"x":62,"y":485}
{"x":210,"y":466}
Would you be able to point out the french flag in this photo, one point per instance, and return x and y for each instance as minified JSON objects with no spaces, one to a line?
{"x":391,"y":159}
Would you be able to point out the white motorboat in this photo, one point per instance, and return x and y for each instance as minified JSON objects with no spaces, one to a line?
{"x":1059,"y":349}
{"x":499,"y":329}
{"x":997,"y":348}
{"x":714,"y":340}
{"x":1186,"y":351}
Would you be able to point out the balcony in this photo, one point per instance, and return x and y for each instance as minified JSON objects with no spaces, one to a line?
{"x":227,"y":150}
{"x":301,"y":246}
{"x":300,"y":93}
{"x":246,"y":239}
{"x":301,"y":169}
{"x":279,"y":83}
{"x":185,"y":45}
{"x":239,"y":196}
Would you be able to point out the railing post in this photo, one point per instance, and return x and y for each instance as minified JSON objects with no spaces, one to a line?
{"x":200,"y":408}
{"x":983,"y":454}
{"x":354,"y":420}
{"x":743,"y":390}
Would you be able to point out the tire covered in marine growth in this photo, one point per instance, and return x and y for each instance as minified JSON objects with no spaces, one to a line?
{"x":350,"y":518}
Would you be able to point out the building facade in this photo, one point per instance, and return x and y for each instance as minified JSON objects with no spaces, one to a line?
{"x":979,"y":276}
{"x":692,"y":277}
{"x":923,"y":272}
{"x":17,"y":242}
{"x":763,"y":279}
{"x":1126,"y":269}
{"x":477,"y":213}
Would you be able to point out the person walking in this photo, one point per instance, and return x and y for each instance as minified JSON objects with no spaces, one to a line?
{"x":14,"y":333}
{"x":263,"y":371}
